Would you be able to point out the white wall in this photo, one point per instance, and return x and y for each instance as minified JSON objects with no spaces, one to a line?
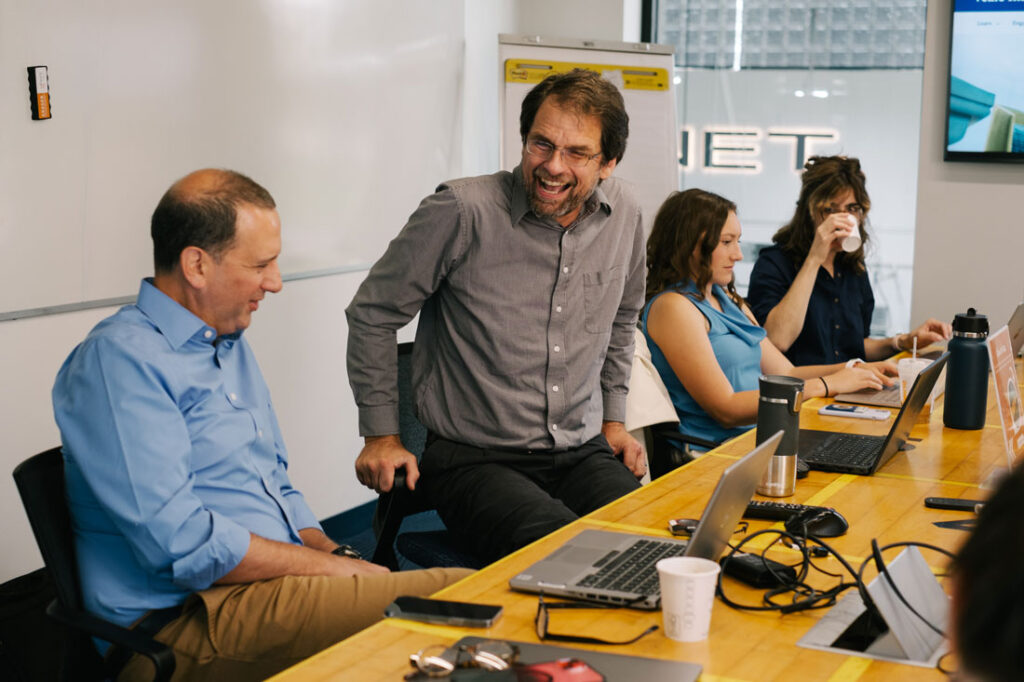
{"x":298,"y":335}
{"x":969,"y":244}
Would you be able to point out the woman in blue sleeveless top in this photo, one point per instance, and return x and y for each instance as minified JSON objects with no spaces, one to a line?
{"x":703,"y":339}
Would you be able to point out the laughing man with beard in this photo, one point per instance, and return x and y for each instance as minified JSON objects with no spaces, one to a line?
{"x":528,"y":285}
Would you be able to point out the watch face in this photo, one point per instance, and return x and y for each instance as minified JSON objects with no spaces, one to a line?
{"x":346,"y":550}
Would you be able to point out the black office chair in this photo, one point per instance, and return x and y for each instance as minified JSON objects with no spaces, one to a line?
{"x":40,"y":481}
{"x":423,"y":548}
{"x":663,"y":452}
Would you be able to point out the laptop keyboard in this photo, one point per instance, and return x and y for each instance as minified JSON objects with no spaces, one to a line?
{"x":846,"y":449}
{"x":890,"y":395}
{"x":632,"y":570}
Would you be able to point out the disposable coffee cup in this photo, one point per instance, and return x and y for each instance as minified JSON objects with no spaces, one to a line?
{"x":909,"y":368}
{"x":687,"y":594}
{"x":852,"y":241}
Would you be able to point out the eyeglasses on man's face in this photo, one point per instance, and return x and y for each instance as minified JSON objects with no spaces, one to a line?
{"x":542,"y":150}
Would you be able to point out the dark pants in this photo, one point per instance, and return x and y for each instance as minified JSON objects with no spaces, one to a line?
{"x":496,"y":501}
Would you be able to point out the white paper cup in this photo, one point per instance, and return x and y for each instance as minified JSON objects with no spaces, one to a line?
{"x":909,"y":368}
{"x":687,"y":594}
{"x":852,"y":241}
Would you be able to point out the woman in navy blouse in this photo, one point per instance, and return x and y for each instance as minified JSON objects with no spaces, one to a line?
{"x":703,"y":339}
{"x":813,"y":298}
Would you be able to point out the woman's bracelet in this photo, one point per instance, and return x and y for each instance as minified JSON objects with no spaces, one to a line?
{"x":896,"y":342}
{"x":825,"y":384}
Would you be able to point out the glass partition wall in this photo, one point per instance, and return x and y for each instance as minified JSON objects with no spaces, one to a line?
{"x":764,"y":84}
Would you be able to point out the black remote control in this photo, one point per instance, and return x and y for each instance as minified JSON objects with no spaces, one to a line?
{"x":778,"y":511}
{"x":956,"y":503}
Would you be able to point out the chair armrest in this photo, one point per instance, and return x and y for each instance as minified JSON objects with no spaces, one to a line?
{"x":159,"y":653}
{"x":392,"y":507}
{"x":670,"y":431}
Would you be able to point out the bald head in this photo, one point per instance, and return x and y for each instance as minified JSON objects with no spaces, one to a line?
{"x":201,"y":210}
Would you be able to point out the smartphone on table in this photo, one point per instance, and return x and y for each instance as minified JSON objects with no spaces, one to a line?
{"x":443,"y":612}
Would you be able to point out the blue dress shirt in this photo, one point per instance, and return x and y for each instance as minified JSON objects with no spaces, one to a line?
{"x":736,"y":342}
{"x":838,"y":315}
{"x":172,"y":456}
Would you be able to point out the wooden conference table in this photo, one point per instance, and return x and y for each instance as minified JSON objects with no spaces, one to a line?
{"x":742,"y":646}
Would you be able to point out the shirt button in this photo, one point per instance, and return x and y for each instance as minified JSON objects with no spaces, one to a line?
{"x":208,"y":333}
{"x":558,"y":349}
{"x":566,"y":269}
{"x":837,"y":326}
{"x":233,"y":396}
{"x":555,"y":389}
{"x":558,"y":308}
{"x":836,"y":300}
{"x":554,"y":427}
{"x":259,"y":433}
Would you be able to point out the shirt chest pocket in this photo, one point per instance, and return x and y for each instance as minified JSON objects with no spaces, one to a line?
{"x":602,"y":293}
{"x":218,"y":428}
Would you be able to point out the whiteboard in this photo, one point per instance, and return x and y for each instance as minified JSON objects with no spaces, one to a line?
{"x":644,"y":73}
{"x":348,"y":112}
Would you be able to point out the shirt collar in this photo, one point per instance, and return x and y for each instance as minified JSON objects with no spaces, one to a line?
{"x":520,"y":204}
{"x":173,"y":320}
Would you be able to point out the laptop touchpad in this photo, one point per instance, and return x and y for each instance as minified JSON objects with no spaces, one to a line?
{"x":578,"y":555}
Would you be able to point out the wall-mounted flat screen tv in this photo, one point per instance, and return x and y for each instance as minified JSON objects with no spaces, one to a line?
{"x":985,"y":120}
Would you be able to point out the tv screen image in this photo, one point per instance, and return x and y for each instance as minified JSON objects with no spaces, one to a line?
{"x":985,"y":119}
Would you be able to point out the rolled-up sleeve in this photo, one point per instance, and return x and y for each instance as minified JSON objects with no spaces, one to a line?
{"x":130,"y":443}
{"x":618,"y":362}
{"x":413,"y":267}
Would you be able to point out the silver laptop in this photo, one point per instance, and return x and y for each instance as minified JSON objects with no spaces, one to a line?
{"x":890,"y":395}
{"x":618,"y":568}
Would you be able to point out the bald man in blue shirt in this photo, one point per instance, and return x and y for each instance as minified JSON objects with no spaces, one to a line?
{"x":186,"y":524}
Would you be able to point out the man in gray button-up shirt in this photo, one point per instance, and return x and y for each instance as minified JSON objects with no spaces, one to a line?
{"x":528,"y":285}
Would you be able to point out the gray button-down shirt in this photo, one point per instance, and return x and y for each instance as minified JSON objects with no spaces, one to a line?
{"x":525,"y":336}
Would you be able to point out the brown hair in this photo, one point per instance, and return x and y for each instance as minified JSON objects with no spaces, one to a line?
{"x":204,"y":218}
{"x":687,"y":222}
{"x":824,"y":178}
{"x":584,"y":92}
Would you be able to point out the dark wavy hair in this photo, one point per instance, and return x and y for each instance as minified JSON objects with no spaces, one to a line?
{"x":988,"y":613}
{"x":205,"y":219}
{"x":584,"y":92}
{"x":688,"y":222}
{"x":824,"y":178}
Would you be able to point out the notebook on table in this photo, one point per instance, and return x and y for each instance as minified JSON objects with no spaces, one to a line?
{"x":851,"y":453}
{"x":618,"y":568}
{"x":611,"y":665}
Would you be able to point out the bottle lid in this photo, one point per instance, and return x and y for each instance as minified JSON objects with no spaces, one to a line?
{"x":970,"y":322}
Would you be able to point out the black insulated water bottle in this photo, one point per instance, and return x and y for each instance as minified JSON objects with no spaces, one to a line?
{"x":967,"y":372}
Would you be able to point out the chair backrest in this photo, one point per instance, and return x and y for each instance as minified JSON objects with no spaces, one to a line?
{"x":412,"y":433}
{"x":40,"y":482}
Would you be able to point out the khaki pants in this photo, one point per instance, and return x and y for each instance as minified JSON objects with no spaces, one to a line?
{"x":251,"y":631}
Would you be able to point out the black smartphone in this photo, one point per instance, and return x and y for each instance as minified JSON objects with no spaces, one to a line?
{"x":444,"y":612}
{"x":955,"y":503}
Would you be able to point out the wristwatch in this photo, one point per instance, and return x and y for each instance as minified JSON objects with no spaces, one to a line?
{"x":347,"y":550}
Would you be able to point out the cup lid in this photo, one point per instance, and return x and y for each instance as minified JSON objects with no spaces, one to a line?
{"x":779,"y":386}
{"x":971,"y":322}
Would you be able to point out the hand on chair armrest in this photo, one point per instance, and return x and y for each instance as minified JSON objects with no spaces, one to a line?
{"x":380,"y":459}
